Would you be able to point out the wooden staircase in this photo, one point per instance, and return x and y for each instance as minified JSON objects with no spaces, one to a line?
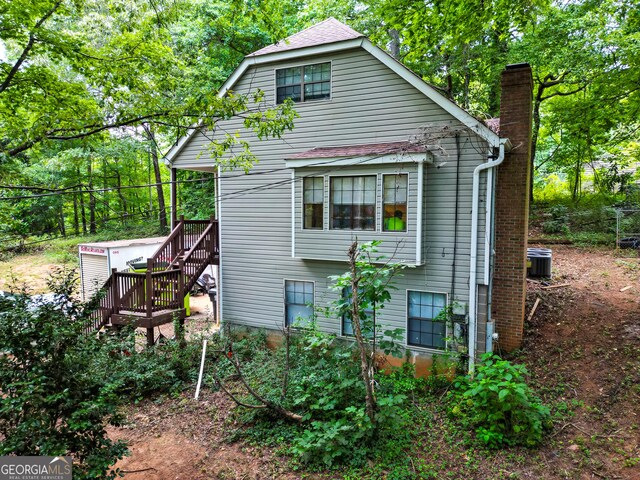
{"x":156,"y":296}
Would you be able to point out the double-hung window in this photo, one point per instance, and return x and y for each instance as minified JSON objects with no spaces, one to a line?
{"x":352,"y":204}
{"x":304,"y":83}
{"x":313,"y":205}
{"x":366,"y":317}
{"x":394,"y":202}
{"x":425,"y":329}
{"x":298,"y":302}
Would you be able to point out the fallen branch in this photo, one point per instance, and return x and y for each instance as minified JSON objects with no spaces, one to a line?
{"x":560,"y":285}
{"x":624,"y":289}
{"x":533,"y":310}
{"x":262,"y":402}
{"x":139,"y":470}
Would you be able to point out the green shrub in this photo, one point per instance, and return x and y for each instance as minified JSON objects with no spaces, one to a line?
{"x":324,"y":385}
{"x":60,"y":388}
{"x":499,"y":404}
{"x":51,"y":400}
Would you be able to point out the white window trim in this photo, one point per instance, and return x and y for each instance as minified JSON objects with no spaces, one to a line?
{"x":302,"y":102}
{"x":406,"y":323}
{"x":284,"y":297}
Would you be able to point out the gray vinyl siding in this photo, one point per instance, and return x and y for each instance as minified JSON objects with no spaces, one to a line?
{"x":369,"y":104}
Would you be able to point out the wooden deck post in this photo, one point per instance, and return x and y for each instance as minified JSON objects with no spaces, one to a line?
{"x":180,"y":299}
{"x":174,"y":198}
{"x":180,"y":237}
{"x":148,"y":300}
{"x":115,"y":290}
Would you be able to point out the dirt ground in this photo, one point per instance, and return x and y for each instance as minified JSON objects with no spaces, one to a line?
{"x":582,"y":347}
{"x":30,"y":270}
{"x":583,"y":343}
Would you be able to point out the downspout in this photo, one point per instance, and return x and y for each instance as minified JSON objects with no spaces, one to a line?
{"x":473,"y":267}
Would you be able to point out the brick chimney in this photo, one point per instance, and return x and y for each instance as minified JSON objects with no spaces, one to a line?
{"x":512,"y":207}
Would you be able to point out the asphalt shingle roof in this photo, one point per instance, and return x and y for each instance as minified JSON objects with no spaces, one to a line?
{"x":360,"y":150}
{"x":328,"y":31}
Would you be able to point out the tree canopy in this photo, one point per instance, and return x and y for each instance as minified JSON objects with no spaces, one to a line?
{"x":92,"y":93}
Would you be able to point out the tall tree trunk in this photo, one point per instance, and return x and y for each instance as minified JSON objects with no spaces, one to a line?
{"x":123,"y":200}
{"x":365,"y":370}
{"x":92,"y":198}
{"x":105,"y":195}
{"x":537,"y":101}
{"x":467,"y":77}
{"x":162,"y":212}
{"x":83,"y":212}
{"x":394,"y":43}
{"x":61,"y":225}
{"x":76,"y":225}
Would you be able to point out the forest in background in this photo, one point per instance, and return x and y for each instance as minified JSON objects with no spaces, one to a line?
{"x":94,"y":93}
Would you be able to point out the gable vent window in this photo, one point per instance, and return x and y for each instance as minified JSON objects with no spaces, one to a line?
{"x":301,"y":84}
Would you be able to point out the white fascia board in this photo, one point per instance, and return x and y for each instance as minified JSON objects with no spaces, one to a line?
{"x":473,"y":123}
{"x":177,"y":148}
{"x":363,"y":160}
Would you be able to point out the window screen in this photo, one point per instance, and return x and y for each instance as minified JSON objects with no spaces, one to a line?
{"x":301,"y":84}
{"x":394,"y":201}
{"x":313,"y":205}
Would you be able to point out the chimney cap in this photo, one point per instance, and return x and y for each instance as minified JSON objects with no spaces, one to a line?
{"x":517,"y":66}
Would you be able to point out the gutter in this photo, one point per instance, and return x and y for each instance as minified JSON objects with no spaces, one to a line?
{"x":473,"y":267}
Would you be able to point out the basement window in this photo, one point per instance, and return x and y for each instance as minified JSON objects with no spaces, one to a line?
{"x":298,"y":302}
{"x":305,"y":83}
{"x":422,"y":329}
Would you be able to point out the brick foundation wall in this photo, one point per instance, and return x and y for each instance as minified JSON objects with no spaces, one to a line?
{"x":512,"y":208}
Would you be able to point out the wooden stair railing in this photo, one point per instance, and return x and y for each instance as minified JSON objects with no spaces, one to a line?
{"x":171,"y":273}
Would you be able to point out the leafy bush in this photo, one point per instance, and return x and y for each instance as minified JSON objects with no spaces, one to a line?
{"x":59,"y":388}
{"x":51,"y":402}
{"x":324,"y":385}
{"x":499,"y":404}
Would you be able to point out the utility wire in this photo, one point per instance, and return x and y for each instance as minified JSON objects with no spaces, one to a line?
{"x":98,"y":190}
{"x":213,"y":177}
{"x":80,"y":234}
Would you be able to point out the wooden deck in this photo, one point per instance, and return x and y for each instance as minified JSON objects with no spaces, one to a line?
{"x":156,"y":296}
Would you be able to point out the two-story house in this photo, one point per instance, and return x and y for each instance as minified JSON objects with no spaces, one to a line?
{"x":376,"y":153}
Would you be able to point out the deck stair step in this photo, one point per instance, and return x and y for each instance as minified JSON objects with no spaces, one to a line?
{"x":157,"y":296}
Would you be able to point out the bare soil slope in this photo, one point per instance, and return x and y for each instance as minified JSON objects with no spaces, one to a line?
{"x":582,"y":347}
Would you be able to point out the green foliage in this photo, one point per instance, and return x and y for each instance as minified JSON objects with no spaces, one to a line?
{"x":375,"y":275}
{"x":60,"y":388}
{"x":499,"y":404}
{"x":324,"y":385}
{"x":51,"y":401}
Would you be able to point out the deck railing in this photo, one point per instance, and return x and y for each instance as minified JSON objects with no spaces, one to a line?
{"x":171,"y":273}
